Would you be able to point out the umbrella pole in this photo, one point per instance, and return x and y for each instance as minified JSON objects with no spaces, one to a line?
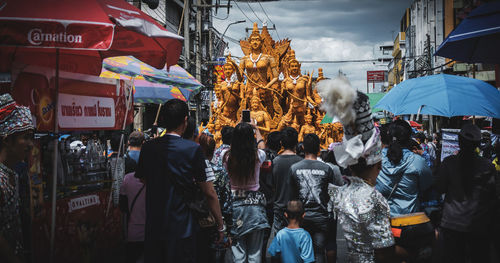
{"x":157,"y":114}
{"x":120,"y":148}
{"x":54,"y":162}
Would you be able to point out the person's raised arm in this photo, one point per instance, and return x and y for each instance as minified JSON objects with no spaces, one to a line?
{"x":261,"y":144}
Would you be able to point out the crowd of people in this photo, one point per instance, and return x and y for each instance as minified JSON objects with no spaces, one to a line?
{"x":285,"y":199}
{"x":254,"y":200}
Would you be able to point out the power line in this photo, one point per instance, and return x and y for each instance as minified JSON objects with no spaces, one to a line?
{"x":269,"y":18}
{"x":254,"y":12}
{"x":232,"y":39}
{"x":237,"y":5}
{"x":218,"y":18}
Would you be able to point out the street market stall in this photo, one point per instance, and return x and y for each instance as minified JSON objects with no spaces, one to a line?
{"x":88,"y":106}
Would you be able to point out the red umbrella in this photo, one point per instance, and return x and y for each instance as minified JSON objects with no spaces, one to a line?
{"x":85,"y":32}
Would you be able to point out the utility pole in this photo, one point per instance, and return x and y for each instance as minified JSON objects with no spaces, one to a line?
{"x":199,"y":12}
{"x":198,"y":41}
{"x":187,"y":47}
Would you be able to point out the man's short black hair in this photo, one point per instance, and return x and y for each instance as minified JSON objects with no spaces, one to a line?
{"x":273,"y":141}
{"x":136,"y":139}
{"x":311,"y":143}
{"x":173,"y":114}
{"x":115,"y":141}
{"x":289,"y":138}
{"x":294,"y":210}
{"x":227,"y":134}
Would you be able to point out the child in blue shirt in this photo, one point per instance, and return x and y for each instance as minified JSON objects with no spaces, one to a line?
{"x":292,"y":243}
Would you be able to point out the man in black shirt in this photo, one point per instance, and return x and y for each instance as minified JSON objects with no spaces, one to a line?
{"x":309,"y":181}
{"x":281,"y":165}
{"x":171,"y":227}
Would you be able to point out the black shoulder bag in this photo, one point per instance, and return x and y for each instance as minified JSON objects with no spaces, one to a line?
{"x":193,"y":197}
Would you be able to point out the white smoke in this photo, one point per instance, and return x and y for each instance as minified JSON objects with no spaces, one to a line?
{"x":338,"y":98}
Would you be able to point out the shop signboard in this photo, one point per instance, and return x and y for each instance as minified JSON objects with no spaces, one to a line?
{"x":85,"y":102}
{"x":76,"y":111}
{"x":375,"y":76}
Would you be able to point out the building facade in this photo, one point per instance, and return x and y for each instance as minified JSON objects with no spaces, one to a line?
{"x":423,"y":27}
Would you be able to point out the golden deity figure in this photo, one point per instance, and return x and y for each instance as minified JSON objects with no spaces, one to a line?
{"x":268,"y":82}
{"x":230,"y":92}
{"x":218,"y":135}
{"x":332,"y":132}
{"x":317,"y":99}
{"x":261,"y":116}
{"x":260,"y":65}
{"x":217,"y":90}
{"x":308,"y":127}
{"x":257,"y":65}
{"x":297,"y":87}
{"x":289,"y":119}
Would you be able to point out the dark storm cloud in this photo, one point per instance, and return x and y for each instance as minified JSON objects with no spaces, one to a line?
{"x":362,"y":20}
{"x":324,"y":30}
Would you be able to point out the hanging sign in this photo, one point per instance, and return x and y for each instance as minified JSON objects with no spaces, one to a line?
{"x":76,"y":111}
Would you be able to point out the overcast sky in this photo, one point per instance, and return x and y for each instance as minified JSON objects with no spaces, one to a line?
{"x":323,"y":30}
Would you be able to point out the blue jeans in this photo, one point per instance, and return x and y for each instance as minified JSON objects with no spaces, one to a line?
{"x":323,"y":237}
{"x":279,"y":222}
{"x":248,"y":248}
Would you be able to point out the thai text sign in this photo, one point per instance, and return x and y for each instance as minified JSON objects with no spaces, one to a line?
{"x":375,"y":76}
{"x":76,"y":111}
{"x":82,"y":202}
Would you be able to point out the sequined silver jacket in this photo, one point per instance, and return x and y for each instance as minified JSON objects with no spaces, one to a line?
{"x":364,"y":216}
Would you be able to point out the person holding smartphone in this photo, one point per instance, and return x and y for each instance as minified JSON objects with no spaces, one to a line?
{"x":242,"y":161}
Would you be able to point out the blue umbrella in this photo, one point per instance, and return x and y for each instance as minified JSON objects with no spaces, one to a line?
{"x":443,"y":95}
{"x":477,"y":38}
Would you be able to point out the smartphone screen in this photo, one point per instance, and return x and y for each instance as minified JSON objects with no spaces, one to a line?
{"x":245,"y":115}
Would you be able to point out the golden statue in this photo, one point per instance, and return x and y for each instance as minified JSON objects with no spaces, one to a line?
{"x":332,"y":132}
{"x":260,"y":65}
{"x":260,"y":115}
{"x":230,"y":91}
{"x":218,"y":135}
{"x":296,"y":86}
{"x":268,"y":82}
{"x":308,"y":127}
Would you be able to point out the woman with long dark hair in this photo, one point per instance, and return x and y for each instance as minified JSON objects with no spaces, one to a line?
{"x":243,"y":161}
{"x":403,"y":179}
{"x":468,"y":180}
{"x":404,"y":175}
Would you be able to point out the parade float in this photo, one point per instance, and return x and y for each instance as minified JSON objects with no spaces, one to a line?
{"x":268,"y":82}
